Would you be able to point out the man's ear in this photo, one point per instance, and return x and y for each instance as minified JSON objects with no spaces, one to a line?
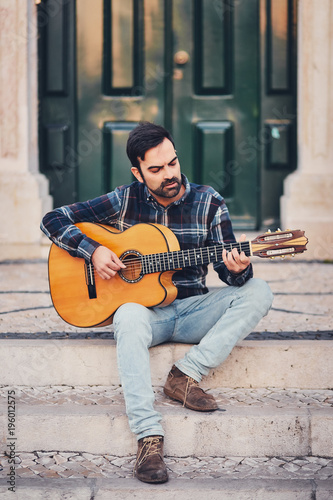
{"x":135,"y":171}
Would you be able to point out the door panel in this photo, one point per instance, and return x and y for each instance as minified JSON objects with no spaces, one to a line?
{"x":115,"y":162}
{"x":213,"y":47}
{"x":214,"y":155}
{"x":123,"y":47}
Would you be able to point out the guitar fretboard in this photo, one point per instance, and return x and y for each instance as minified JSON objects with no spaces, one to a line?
{"x":168,"y":261}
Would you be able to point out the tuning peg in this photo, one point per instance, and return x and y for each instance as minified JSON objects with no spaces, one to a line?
{"x":293,"y":255}
{"x":278,"y":230}
{"x":268,"y":231}
{"x":272,"y":258}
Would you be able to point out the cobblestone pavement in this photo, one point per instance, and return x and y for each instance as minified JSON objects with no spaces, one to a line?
{"x":107,"y":395}
{"x":302,"y":305}
{"x":52,"y":464}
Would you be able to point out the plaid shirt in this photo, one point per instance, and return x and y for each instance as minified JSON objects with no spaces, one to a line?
{"x":199,"y":218}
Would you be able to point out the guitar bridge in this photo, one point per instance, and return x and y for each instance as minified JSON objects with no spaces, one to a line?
{"x":90,"y":280}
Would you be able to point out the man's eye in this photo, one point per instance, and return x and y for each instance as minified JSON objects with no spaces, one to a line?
{"x":155,"y":170}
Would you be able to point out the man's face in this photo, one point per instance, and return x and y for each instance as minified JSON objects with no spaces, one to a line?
{"x":160,"y":171}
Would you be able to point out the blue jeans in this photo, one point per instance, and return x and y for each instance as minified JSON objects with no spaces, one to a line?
{"x":214,"y":323}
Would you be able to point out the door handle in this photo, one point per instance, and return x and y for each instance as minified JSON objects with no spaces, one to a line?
{"x":181,"y":57}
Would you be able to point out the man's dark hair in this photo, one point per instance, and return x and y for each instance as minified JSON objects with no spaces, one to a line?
{"x":145,"y":136}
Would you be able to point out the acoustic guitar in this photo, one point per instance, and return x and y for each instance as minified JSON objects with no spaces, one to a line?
{"x":151,"y":254}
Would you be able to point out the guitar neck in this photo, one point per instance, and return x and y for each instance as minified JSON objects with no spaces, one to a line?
{"x":168,"y":261}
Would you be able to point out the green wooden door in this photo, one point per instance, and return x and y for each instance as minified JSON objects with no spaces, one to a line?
{"x":217,"y":73}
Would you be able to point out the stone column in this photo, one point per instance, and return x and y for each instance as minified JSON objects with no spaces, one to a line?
{"x":308,"y":192}
{"x":24,"y":194}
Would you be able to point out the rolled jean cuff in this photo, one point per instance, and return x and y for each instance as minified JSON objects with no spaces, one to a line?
{"x":187,"y":372}
{"x":152,"y":432}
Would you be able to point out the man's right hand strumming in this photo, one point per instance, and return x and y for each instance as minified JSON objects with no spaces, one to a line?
{"x":106,"y":262}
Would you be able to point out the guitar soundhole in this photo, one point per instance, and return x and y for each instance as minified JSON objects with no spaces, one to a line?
{"x":133,"y":271}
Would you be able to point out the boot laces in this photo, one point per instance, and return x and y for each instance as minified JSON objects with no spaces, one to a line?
{"x":150,"y":447}
{"x":189,"y":384}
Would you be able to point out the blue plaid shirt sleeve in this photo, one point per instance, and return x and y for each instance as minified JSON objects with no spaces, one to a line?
{"x":59,"y":224}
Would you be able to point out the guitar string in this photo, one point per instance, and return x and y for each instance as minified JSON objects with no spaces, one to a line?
{"x":174,"y":254}
{"x":191,"y":253}
{"x":195,"y":251}
{"x":166,"y":257}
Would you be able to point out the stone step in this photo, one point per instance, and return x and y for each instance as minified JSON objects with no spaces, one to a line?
{"x":218,"y":487}
{"x":257,"y":422}
{"x":305,"y":364}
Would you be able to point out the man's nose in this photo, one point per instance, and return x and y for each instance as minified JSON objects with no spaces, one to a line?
{"x":168,"y":172}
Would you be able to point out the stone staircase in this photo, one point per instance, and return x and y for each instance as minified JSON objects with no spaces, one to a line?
{"x":273,"y":441}
{"x":71,"y":440}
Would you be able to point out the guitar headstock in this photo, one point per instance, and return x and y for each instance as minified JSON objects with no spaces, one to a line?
{"x":279,"y":244}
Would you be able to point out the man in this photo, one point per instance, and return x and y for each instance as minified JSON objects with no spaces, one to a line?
{"x":213,"y":321}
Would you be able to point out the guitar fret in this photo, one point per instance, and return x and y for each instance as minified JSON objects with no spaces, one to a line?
{"x":151,"y":264}
{"x":162,"y":261}
{"x":159,"y":261}
{"x":209,"y":254}
{"x":189,"y":257}
{"x":165,"y":261}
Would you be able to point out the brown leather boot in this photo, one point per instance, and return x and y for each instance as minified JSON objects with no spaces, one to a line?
{"x":185,"y":389}
{"x":149,"y":466}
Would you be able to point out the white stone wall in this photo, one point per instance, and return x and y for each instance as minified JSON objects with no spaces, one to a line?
{"x":308,"y":192}
{"x":23,"y":190}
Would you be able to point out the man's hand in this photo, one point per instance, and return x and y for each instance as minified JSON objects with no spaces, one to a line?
{"x":106,"y":262}
{"x":236,"y":262}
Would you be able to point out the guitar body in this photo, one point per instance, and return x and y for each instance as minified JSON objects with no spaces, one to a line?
{"x":92,"y":306}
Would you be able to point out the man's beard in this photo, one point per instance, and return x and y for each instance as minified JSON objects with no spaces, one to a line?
{"x":163,"y":192}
